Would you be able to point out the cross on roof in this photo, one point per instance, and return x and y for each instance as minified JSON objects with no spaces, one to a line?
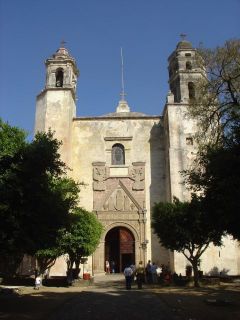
{"x":183,"y":36}
{"x":63,"y":44}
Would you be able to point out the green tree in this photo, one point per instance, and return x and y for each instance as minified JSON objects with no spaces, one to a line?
{"x":12,"y":139}
{"x":81,"y":238}
{"x":217,"y":179}
{"x":12,"y":142}
{"x":217,"y":100}
{"x":184,"y":227}
{"x":36,"y":195}
{"x":216,"y":108}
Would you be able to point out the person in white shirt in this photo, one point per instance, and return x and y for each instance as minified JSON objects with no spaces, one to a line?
{"x":128,"y":277}
{"x":37,"y":283}
{"x":107,"y":267}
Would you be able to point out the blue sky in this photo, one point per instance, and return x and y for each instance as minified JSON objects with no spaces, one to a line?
{"x":95,"y":30}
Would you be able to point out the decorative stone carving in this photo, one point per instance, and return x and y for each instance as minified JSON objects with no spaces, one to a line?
{"x":138,"y":175}
{"x":119,"y":201}
{"x":99,"y":176}
{"x":110,"y":204}
{"x":126,"y":203}
{"x":132,"y":206}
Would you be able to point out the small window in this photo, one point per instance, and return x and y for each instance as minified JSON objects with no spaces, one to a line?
{"x":187,"y":54}
{"x":191,"y":90}
{"x":59,"y":78}
{"x":118,"y":154}
{"x":189,"y":141}
{"x":188,"y":65}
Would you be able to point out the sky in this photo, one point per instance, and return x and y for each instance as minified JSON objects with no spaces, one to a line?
{"x":94,"y":31}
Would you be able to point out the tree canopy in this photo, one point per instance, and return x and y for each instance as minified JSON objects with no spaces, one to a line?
{"x":81,"y":238}
{"x":35,"y":194}
{"x":217,"y":99}
{"x":216,"y":108}
{"x":184,"y":227}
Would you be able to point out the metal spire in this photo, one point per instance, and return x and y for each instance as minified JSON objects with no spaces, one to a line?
{"x":122,"y":94}
{"x":122,"y":104}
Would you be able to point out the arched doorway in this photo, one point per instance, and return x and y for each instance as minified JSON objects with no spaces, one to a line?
{"x":120,"y":248}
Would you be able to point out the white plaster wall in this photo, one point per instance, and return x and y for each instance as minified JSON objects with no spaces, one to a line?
{"x":146,"y":145}
{"x":163,"y":149}
{"x":181,"y":155}
{"x":40,"y":115}
{"x":220,"y":259}
{"x":55,"y":110}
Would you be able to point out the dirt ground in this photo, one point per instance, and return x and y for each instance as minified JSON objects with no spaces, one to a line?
{"x":209,"y":302}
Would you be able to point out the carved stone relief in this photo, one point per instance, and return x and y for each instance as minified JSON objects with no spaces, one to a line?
{"x":99,"y":177}
{"x":119,"y":201}
{"x":138,"y":175}
{"x":121,"y":194}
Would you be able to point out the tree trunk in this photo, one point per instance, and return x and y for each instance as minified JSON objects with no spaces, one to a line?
{"x":195,"y":272}
{"x":77,"y":269}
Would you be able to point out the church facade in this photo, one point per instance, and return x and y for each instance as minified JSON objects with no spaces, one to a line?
{"x":128,"y":161}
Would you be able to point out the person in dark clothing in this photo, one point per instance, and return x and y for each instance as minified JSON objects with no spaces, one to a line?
{"x":149,"y":272}
{"x":140,"y":275}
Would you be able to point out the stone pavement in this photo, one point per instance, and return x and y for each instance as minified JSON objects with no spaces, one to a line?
{"x":108,"y":299}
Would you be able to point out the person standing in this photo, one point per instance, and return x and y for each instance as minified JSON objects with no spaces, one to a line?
{"x":37,"y":282}
{"x":113,"y":267}
{"x":133,"y":267}
{"x":154,"y":268}
{"x":128,"y":277}
{"x":107,"y":266}
{"x":140,"y":275}
{"x":149,"y":272}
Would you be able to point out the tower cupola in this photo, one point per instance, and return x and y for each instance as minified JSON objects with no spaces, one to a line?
{"x":183,"y":71}
{"x":62,"y":71}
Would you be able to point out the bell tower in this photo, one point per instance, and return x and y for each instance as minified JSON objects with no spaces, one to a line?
{"x":62,"y":71}
{"x":183,"y":71}
{"x":56,"y":104}
{"x":180,"y":129}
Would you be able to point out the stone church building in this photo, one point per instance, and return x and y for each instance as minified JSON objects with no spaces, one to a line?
{"x":128,"y":161}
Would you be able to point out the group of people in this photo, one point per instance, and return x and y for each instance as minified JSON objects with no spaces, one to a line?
{"x":150,"y":274}
{"x":110,"y":267}
{"x":131,"y":271}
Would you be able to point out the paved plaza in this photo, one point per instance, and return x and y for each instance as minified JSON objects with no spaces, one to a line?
{"x":108,"y":299}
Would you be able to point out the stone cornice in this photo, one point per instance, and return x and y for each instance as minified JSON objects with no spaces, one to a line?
{"x":174,"y":104}
{"x":56,"y":89}
{"x":117,"y":118}
{"x":118,"y":138}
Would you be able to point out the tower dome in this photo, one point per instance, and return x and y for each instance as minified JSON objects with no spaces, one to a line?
{"x":184,"y":44}
{"x":61,"y":52}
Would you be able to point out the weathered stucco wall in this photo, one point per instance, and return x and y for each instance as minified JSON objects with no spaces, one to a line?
{"x":55,"y":110}
{"x":179,"y":130}
{"x":145,"y":144}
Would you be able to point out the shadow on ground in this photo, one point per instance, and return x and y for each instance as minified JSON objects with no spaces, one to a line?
{"x":109,"y":300}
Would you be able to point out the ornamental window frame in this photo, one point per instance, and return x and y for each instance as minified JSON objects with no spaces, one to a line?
{"x":118,"y":154}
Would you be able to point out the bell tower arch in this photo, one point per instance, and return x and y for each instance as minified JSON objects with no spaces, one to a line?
{"x":183,"y":71}
{"x":56,"y":104}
